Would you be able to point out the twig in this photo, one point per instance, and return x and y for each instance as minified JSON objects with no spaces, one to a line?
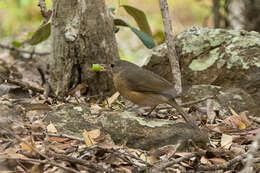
{"x":18,"y":138}
{"x":27,"y":86}
{"x":45,"y":14}
{"x":189,"y":103}
{"x":23,"y":51}
{"x":161,"y":166}
{"x":172,"y":54}
{"x":59,"y":135}
{"x":250,"y":156}
{"x":40,"y":161}
{"x":48,"y":134}
{"x":255,"y":119}
{"x":196,"y":101}
{"x":224,"y":165}
{"x":94,"y":167}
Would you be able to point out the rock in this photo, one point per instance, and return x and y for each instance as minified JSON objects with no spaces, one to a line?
{"x":227,"y":58}
{"x":235,"y":98}
{"x":146,"y":133}
{"x":138,"y":132}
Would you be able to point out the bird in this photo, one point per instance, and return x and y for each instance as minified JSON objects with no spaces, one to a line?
{"x":143,"y":87}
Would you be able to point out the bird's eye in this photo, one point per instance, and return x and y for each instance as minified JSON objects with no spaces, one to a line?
{"x":112,"y":65}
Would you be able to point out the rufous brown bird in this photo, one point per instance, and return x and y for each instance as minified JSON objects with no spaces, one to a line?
{"x":144,"y":87}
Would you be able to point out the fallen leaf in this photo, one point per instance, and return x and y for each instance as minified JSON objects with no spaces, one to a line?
{"x":113,"y":98}
{"x":25,"y":147}
{"x":217,"y":160}
{"x":241,"y":125}
{"x":95,"y":108}
{"x":243,"y":116}
{"x":88,"y":138}
{"x":238,"y":120}
{"x":94,"y":133}
{"x":233,"y":111}
{"x":51,"y":128}
{"x":226,"y":141}
{"x":205,"y":161}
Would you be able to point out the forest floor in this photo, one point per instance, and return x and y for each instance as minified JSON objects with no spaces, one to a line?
{"x":28,"y":144}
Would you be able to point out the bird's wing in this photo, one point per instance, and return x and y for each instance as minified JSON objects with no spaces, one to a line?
{"x":142,"y":80}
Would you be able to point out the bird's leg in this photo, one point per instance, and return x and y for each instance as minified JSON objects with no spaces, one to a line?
{"x":151,"y":110}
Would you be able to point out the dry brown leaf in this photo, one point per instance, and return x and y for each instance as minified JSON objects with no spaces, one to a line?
{"x":205,"y":161}
{"x":95,"y":108}
{"x":151,"y":159}
{"x":241,"y":125}
{"x":217,"y":160}
{"x":233,"y":111}
{"x":113,"y":98}
{"x":88,"y":138}
{"x":94,"y":133}
{"x":25,"y":147}
{"x":238,"y":121}
{"x":58,"y":139}
{"x":51,"y":128}
{"x":37,"y":168}
{"x":243,"y":116}
{"x":181,"y":154}
{"x":226,"y":141}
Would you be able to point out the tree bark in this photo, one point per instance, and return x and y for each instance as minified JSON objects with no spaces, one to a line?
{"x":217,"y":16}
{"x":83,"y":35}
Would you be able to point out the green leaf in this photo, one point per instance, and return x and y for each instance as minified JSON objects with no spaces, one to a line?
{"x":140,"y":18}
{"x":120,"y":22}
{"x":41,"y":34}
{"x":17,"y":44}
{"x":111,"y":9}
{"x":146,"y":39}
{"x":97,"y":67}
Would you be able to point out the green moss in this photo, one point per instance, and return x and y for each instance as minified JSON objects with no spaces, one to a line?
{"x":150,"y":123}
{"x":206,"y":62}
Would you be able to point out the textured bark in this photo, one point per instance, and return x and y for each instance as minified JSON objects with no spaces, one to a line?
{"x":83,"y":35}
{"x":244,"y":14}
{"x":216,"y":12}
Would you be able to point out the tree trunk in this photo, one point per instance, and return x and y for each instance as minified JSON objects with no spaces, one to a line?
{"x":83,"y":35}
{"x":244,"y":14}
{"x":216,"y":12}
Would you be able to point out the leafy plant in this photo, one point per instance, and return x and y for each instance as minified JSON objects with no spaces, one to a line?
{"x":144,"y":34}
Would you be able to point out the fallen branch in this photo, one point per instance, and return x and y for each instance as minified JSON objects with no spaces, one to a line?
{"x":226,"y":165}
{"x":52,"y":162}
{"x":33,"y":161}
{"x":23,"y":51}
{"x":161,"y":166}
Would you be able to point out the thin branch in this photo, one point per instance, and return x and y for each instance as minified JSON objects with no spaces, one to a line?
{"x":52,"y":162}
{"x":250,"y":156}
{"x":226,"y":165}
{"x":23,"y":51}
{"x":161,"y":166}
{"x":27,"y":86}
{"x":33,"y":161}
{"x":45,"y":14}
{"x":169,"y":38}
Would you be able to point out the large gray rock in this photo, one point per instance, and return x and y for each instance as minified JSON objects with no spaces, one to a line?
{"x":138,"y":132}
{"x":147,"y":133}
{"x":228,"y":58}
